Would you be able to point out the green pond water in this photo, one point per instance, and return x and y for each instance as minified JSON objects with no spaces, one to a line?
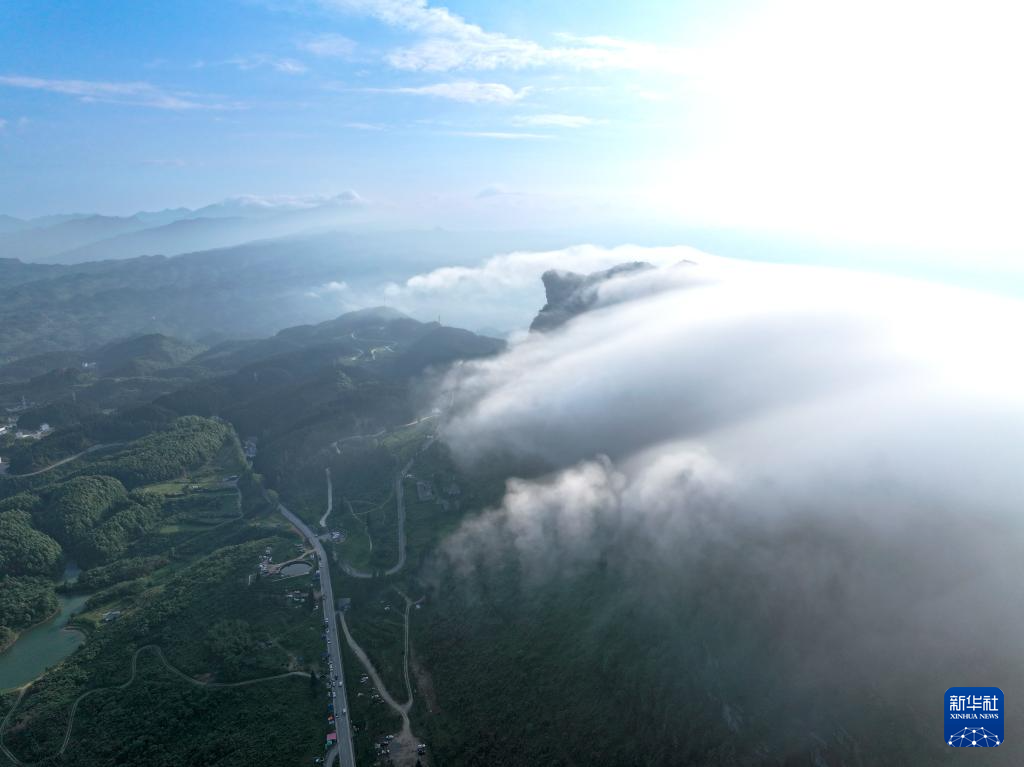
{"x":296,"y":568}
{"x":43,"y":645}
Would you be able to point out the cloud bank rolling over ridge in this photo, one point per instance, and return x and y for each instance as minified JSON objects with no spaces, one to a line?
{"x":824,"y":461}
{"x":505,"y":291}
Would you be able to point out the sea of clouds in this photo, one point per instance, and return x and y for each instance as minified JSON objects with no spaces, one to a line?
{"x":839,"y":453}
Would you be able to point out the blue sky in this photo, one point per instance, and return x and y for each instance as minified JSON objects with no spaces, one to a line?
{"x":114,"y":106}
{"x":878,"y":123}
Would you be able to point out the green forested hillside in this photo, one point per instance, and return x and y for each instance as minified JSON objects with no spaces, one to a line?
{"x":84,"y":511}
{"x":189,"y":441}
{"x":25,"y":550}
{"x":71,"y":509}
{"x":193,"y":624}
{"x":23,"y":602}
{"x":144,"y":355}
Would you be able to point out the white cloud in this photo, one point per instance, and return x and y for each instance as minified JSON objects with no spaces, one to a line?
{"x":364,"y":126}
{"x":329,"y":46}
{"x":284,"y":65}
{"x":466,"y":91}
{"x":450,"y":42}
{"x":133,"y":93}
{"x":289,"y":66}
{"x":692,"y":348}
{"x":505,"y":290}
{"x":3,"y":123}
{"x":333,"y":289}
{"x":553,"y":120}
{"x":277,"y":202}
{"x":811,"y":462}
{"x":501,"y":135}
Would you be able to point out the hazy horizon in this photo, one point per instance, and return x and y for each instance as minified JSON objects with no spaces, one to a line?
{"x":778,"y":121}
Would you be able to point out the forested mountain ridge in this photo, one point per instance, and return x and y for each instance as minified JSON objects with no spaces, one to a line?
{"x":248,"y":290}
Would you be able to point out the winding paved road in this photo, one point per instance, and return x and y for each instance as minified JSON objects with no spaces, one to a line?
{"x":344,"y":750}
{"x":400,"y":505}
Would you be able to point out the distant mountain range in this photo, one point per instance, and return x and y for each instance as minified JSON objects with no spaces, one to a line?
{"x":76,"y":238}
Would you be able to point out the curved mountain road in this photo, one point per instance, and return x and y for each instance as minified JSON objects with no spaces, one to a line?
{"x":400,"y":506}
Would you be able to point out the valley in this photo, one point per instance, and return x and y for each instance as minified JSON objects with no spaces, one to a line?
{"x":175,"y":499}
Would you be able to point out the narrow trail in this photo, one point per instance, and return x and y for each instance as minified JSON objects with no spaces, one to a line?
{"x":406,"y":739}
{"x":400,"y":505}
{"x":3,"y":724}
{"x":74,"y":706}
{"x":352,"y":512}
{"x":330,"y":498}
{"x":402,"y":709}
{"x":408,"y":683}
{"x":399,"y":493}
{"x":134,"y":667}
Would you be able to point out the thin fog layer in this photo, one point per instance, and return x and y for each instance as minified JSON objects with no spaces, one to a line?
{"x":835,"y":456}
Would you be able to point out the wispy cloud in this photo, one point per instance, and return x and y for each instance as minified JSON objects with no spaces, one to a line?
{"x":284,"y":65}
{"x":329,"y":46}
{"x":132,"y":93}
{"x":467,"y":91}
{"x":273,"y":202}
{"x":553,"y":120}
{"x":364,"y":126}
{"x":505,"y":136}
{"x":328,"y":290}
{"x":450,"y":42}
{"x":3,"y":123}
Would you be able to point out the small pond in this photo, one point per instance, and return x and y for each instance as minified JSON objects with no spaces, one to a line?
{"x":296,"y":568}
